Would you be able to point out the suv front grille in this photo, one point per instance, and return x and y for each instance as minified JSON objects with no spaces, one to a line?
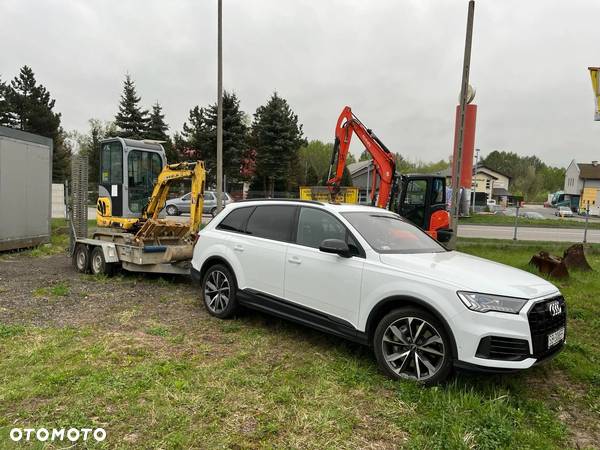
{"x":543,"y":321}
{"x":502,"y":348}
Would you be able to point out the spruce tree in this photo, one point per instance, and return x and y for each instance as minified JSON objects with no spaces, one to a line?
{"x":30,"y":108}
{"x":201,"y":134}
{"x":277,"y":137}
{"x":7,"y":117}
{"x":157,"y":130}
{"x":131,"y":119}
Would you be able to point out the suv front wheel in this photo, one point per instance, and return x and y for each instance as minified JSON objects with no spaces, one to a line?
{"x":219,"y":291}
{"x":410,"y":343}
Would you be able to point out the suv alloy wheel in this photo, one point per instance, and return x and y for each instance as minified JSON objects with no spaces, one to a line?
{"x":219,"y":291}
{"x":410,"y":343}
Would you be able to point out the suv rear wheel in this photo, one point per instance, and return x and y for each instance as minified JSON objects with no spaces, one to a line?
{"x":218,"y":291}
{"x":410,"y":343}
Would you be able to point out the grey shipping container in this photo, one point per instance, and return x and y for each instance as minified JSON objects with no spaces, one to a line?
{"x":25,"y":189}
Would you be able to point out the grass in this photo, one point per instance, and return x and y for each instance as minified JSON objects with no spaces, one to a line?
{"x":58,"y":290}
{"x":259,"y":382}
{"x":491,"y":219}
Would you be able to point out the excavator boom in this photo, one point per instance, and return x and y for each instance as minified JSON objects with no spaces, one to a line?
{"x":383,"y":160}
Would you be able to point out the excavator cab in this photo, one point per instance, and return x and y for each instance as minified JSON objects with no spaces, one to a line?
{"x":129,"y":169}
{"x":422,"y":201}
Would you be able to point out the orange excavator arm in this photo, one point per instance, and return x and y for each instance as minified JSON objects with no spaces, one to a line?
{"x":383,"y":160}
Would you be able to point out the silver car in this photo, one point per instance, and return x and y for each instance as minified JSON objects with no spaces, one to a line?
{"x":180,"y":205}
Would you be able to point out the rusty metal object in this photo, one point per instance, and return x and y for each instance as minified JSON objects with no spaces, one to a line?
{"x":548,"y":264}
{"x":574,"y":258}
{"x":557,"y":267}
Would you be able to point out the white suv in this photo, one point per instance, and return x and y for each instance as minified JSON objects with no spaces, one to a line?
{"x":366,"y":274}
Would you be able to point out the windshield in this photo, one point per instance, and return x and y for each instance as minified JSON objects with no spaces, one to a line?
{"x":387,"y":233}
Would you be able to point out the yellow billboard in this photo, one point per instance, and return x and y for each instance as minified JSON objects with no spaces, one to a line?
{"x":322,"y":194}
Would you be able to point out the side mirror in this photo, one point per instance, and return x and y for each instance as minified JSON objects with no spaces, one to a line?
{"x":336,"y":246}
{"x":444,"y":236}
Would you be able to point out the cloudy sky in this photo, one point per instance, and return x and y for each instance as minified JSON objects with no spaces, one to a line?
{"x":396,"y":62}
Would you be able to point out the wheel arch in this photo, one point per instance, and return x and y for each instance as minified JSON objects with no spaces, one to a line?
{"x":213,"y":260}
{"x":394,"y":302}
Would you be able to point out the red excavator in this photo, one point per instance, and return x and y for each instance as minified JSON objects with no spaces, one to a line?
{"x":420,"y":199}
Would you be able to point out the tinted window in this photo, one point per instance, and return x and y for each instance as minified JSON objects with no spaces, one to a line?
{"x":111,"y":164}
{"x":315,"y":225}
{"x":143,"y":171}
{"x":387,"y":233}
{"x":209,"y":196}
{"x":272,"y":222}
{"x":235,"y":220}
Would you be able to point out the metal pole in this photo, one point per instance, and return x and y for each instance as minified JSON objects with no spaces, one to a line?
{"x":456,"y":168}
{"x":220,"y":107}
{"x":587,"y":217}
{"x":474,"y":185}
{"x":516,"y":223}
{"x":368,"y":183}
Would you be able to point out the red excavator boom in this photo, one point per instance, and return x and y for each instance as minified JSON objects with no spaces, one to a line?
{"x":383,"y":159}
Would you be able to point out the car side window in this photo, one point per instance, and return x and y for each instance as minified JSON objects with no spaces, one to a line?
{"x":209,"y":196}
{"x":186,"y":197}
{"x":236,"y":220}
{"x":272,"y":222}
{"x":314,"y":226}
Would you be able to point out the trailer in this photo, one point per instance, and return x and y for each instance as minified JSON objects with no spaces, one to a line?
{"x":25,"y":189}
{"x":131,"y":232}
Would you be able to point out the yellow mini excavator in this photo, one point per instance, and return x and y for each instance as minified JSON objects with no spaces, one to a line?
{"x":134,"y":185}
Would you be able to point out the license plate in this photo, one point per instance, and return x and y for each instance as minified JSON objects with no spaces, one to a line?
{"x":556,"y":337}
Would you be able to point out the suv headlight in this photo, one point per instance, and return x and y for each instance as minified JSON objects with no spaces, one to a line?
{"x":476,"y":301}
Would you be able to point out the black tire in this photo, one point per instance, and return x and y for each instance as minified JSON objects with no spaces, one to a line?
{"x":81,"y":258}
{"x":427,"y":359}
{"x":172,"y":210}
{"x":98,"y":265}
{"x":219,"y":290}
{"x":213,"y":212}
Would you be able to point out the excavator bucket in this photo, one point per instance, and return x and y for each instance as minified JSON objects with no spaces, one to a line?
{"x":548,"y":264}
{"x":574,"y":258}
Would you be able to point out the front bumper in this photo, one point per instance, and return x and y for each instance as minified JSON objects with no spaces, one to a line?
{"x":501,"y":342}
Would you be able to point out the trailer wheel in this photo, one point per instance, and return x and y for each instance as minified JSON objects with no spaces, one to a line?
{"x":98,"y":264}
{"x":81,"y":258}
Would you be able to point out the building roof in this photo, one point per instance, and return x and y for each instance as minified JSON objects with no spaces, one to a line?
{"x":502,"y":192}
{"x":589,"y":171}
{"x":493,"y":170}
{"x":358,"y":166}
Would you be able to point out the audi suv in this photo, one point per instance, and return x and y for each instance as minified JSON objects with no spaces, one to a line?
{"x":366,"y":274}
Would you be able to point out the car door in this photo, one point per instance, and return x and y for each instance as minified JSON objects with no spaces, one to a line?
{"x":261,"y":249}
{"x":209,"y":202}
{"x":323,"y":281}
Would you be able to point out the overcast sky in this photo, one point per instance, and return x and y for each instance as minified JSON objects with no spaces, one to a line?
{"x":397,"y":63}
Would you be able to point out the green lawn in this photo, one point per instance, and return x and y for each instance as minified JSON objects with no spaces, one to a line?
{"x":491,"y":219}
{"x":156,"y":372}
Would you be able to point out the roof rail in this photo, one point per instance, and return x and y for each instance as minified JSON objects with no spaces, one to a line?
{"x":280,"y":200}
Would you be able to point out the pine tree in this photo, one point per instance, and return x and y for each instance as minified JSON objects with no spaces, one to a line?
{"x":157,"y":130}
{"x":131,"y":119}
{"x":7,"y":117}
{"x":30,"y":108}
{"x":201,"y":135}
{"x":277,"y":136}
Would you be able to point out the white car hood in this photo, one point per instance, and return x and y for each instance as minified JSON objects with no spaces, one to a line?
{"x":471,"y":273}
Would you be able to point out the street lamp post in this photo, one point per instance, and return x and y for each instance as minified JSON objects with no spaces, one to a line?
{"x":220,"y":107}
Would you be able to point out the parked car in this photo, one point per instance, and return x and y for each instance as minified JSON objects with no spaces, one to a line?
{"x":563,"y":211}
{"x":179,"y":205}
{"x":532,"y":215}
{"x":370,"y":276}
{"x":491,"y":202}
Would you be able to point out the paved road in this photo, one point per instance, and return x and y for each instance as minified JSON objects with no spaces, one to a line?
{"x":528,"y":233}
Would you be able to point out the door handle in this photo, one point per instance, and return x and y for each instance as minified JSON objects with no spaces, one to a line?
{"x":294,"y":260}
{"x":238,"y":248}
